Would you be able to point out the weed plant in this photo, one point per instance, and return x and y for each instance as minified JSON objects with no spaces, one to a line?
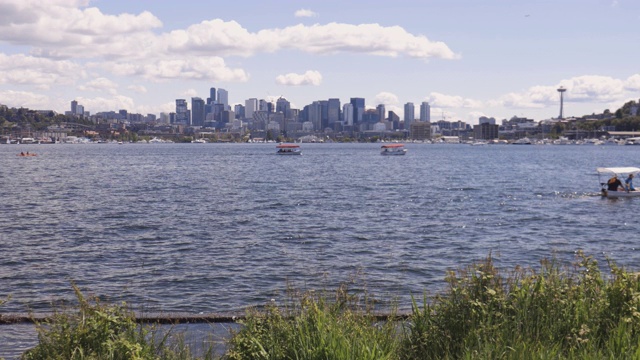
{"x":100,"y":331}
{"x":553,"y":312}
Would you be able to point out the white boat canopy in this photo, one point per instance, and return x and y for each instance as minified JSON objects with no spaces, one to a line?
{"x":618,"y":170}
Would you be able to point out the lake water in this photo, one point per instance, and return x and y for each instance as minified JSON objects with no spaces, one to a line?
{"x":218,"y":227}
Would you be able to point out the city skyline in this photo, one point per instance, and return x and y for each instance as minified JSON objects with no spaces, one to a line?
{"x":466,"y":59}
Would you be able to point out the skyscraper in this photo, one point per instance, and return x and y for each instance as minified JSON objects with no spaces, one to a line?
{"x":182,"y":113}
{"x":347,"y":114}
{"x":334,"y":112}
{"x":409,"y":114}
{"x":223,"y":98}
{"x":425,"y":112}
{"x":283,"y":106}
{"x":197,"y":111}
{"x":358,"y":109}
{"x":74,"y":107}
{"x":381,"y":111}
{"x":250,"y":106}
{"x":212,"y":96}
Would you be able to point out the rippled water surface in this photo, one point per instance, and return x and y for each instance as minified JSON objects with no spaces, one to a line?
{"x":218,"y":227}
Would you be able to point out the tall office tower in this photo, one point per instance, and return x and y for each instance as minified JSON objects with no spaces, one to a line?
{"x":212,"y":96}
{"x":561,"y":90}
{"x":334,"y":112}
{"x":250,"y":106}
{"x":409,"y":114}
{"x":223,"y":98}
{"x":324,"y":114}
{"x":315,"y":115}
{"x":425,"y":112}
{"x":381,"y":112}
{"x":358,"y":109}
{"x":394,"y":120}
{"x":283,"y":106}
{"x":263,"y":105}
{"x":238,"y":109}
{"x":347,"y":114}
{"x":182,"y":112}
{"x":74,"y":107}
{"x":197,"y":111}
{"x":80,"y":110}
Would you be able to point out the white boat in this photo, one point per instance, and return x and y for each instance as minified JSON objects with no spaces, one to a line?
{"x":393,"y":149}
{"x":621,"y":173}
{"x":288,"y":149}
{"x":523,"y":141}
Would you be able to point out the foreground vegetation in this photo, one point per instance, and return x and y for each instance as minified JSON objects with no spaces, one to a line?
{"x":549,"y":313}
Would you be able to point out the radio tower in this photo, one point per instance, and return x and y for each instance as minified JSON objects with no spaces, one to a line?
{"x":561,"y":90}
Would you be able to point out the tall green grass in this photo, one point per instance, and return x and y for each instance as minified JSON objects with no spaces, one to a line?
{"x":98,"y":331}
{"x":553,"y":312}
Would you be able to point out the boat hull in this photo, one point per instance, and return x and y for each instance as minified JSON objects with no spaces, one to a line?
{"x":618,"y":194}
{"x":389,"y":153}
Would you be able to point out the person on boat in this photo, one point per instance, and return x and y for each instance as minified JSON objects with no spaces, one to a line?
{"x":614,"y":184}
{"x":22,"y":153}
{"x":629,"y":183}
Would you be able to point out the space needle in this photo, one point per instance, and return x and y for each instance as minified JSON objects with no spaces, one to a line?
{"x":561,"y":90}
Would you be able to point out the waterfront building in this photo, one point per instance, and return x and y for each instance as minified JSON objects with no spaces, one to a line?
{"x":425,"y":112}
{"x":409,"y":114}
{"x":420,"y":130}
{"x":358,"y":109}
{"x":197,"y":111}
{"x":485,"y":131}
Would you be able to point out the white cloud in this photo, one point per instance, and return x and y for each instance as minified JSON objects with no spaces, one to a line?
{"x":28,"y":70}
{"x":386,"y":98}
{"x":138,"y":88}
{"x":585,"y":88}
{"x":60,"y":23}
{"x":25,"y":99}
{"x":224,"y":38}
{"x":189,"y":93}
{"x":100,"y":84}
{"x":205,"y":68}
{"x":310,"y":77}
{"x":98,"y":104}
{"x":305,"y":13}
{"x":452,"y":101}
{"x":633,"y":83}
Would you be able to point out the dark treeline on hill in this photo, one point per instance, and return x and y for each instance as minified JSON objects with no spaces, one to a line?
{"x":622,"y":119}
{"x":33,"y":119}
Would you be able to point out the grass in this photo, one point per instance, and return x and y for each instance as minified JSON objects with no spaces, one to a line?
{"x":98,"y":331}
{"x":552,"y":312}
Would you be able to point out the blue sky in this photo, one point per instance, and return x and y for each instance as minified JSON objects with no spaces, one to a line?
{"x":466,"y":58}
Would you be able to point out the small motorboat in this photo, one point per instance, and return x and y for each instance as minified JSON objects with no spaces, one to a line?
{"x":288,"y":149}
{"x":393,"y":149}
{"x":620,"y":173}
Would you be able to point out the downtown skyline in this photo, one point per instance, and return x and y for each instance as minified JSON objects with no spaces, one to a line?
{"x":466,"y":59}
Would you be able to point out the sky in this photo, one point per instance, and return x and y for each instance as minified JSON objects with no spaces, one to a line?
{"x":467,"y":58}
